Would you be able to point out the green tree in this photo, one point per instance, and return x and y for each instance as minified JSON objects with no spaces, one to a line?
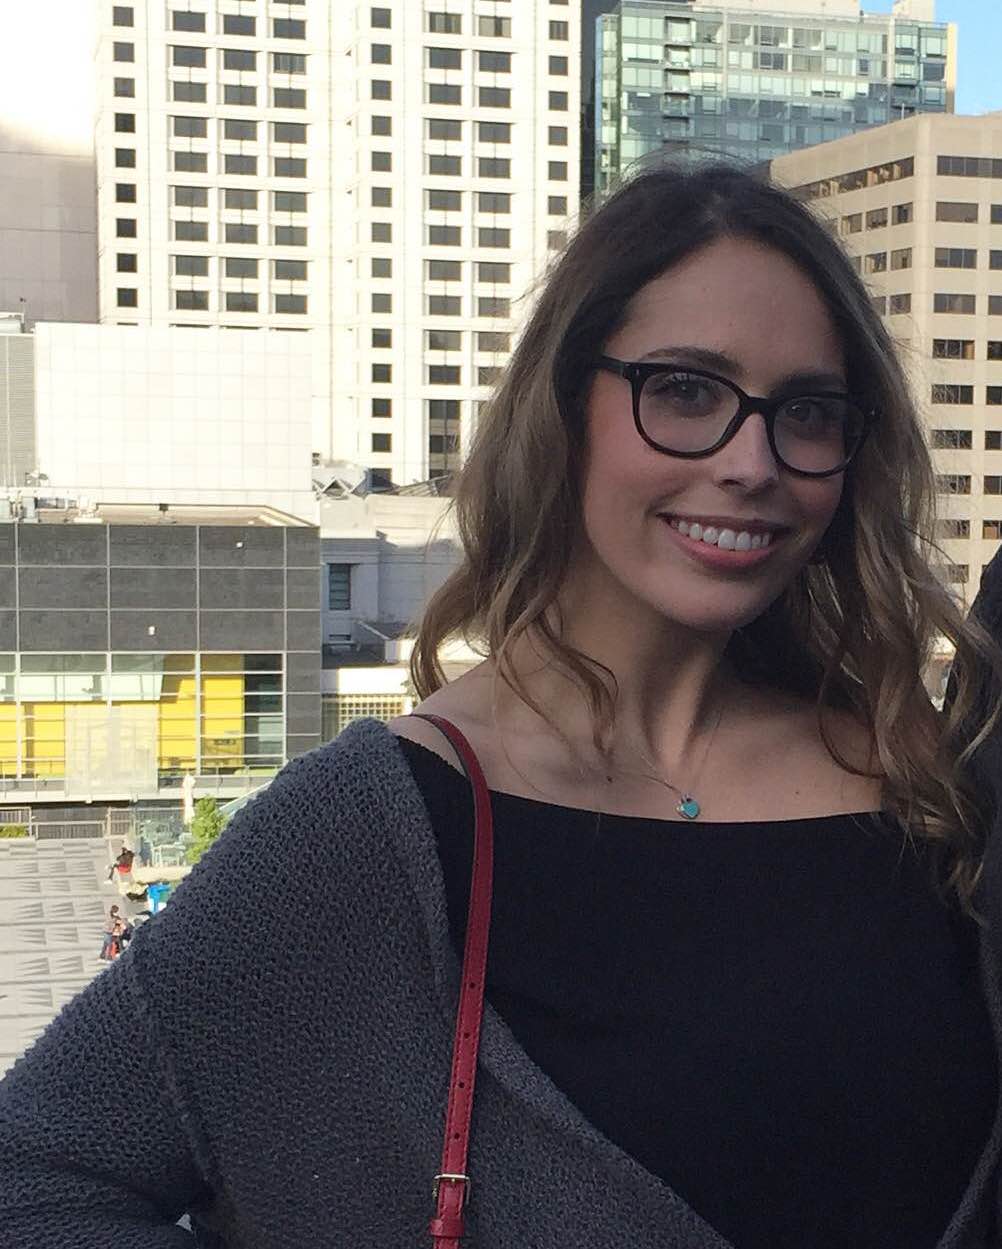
{"x":206,"y":825}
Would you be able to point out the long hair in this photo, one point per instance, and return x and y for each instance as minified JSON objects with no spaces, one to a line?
{"x":853,"y":633}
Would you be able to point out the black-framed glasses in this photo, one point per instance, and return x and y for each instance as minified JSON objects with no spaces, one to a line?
{"x":690,"y":413}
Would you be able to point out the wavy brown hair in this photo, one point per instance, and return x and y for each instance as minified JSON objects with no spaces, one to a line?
{"x":853,"y":633}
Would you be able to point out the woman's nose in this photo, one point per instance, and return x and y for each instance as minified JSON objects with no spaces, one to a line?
{"x":747,"y":460}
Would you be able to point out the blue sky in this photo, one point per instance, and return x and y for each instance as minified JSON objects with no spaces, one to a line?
{"x":979,"y":40}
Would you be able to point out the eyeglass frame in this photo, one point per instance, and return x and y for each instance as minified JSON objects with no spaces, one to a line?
{"x":637,"y":374}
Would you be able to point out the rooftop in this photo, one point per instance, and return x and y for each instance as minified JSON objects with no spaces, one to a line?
{"x":66,"y":511}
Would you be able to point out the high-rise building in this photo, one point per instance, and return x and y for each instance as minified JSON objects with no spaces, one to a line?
{"x":753,"y":80}
{"x":918,"y":205}
{"x":390,"y":178}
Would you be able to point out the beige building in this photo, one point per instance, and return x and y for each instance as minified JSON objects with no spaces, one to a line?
{"x":918,"y":204}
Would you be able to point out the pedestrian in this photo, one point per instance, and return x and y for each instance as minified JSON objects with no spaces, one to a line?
{"x":111,"y":920}
{"x":743,"y":986}
{"x":122,"y":864}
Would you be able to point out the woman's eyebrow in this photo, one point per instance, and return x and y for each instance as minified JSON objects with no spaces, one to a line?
{"x":719,"y":362}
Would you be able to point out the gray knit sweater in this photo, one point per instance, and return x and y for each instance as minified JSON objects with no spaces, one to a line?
{"x":272,"y":1055}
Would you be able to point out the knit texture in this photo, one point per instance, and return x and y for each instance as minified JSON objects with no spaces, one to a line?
{"x":272,"y":1054}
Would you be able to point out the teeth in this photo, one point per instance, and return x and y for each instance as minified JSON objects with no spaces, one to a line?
{"x":724,"y":539}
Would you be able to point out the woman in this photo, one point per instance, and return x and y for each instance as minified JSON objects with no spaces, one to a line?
{"x":734,"y":988}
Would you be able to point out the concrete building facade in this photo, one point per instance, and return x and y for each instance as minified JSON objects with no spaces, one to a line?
{"x":754,"y":80}
{"x":918,"y":205}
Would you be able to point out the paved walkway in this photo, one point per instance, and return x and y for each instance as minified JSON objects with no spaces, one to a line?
{"x":53,"y":899}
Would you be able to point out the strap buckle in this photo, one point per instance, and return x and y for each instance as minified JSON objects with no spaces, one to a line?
{"x":452,"y":1178}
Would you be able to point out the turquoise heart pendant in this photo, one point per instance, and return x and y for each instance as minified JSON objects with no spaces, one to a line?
{"x":688,"y":807}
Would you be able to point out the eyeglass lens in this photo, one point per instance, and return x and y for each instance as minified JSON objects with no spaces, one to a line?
{"x":686,"y":412}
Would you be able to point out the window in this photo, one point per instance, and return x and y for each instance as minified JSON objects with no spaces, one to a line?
{"x":969,"y":166}
{"x":993,"y":396}
{"x":957,"y":574}
{"x":493,"y":167}
{"x":994,"y":350}
{"x":956,"y":258}
{"x":556,"y":205}
{"x":445,"y":166}
{"x":444,"y":201}
{"x":290,"y":236}
{"x":558,"y":66}
{"x":559,"y":30}
{"x":125,"y":87}
{"x":239,"y":59}
{"x":382,"y":338}
{"x":945,"y":528}
{"x":958,"y":303}
{"x":494,"y":271}
{"x":443,"y":93}
{"x":949,"y":392}
{"x":244,"y":97}
{"x":493,"y":202}
{"x":557,"y":171}
{"x":291,"y":131}
{"x":555,"y":239}
{"x":125,"y":52}
{"x":494,"y":62}
{"x":494,"y":97}
{"x":443,"y":128}
{"x":122,"y":15}
{"x":952,"y":439}
{"x":991,"y":529}
{"x":879,"y":303}
{"x":191,"y":231}
{"x":493,"y":237}
{"x":897,"y":304}
{"x":188,"y":58}
{"x":290,"y":167}
{"x":125,"y":123}
{"x":238,"y":24}
{"x":241,"y":301}
{"x":239,"y":130}
{"x":339,"y":587}
{"x":993,"y":485}
{"x":125,"y":193}
{"x":443,"y":340}
{"x":444,"y":305}
{"x":444,"y":410}
{"x":995,"y":305}
{"x":381,"y":267}
{"x":288,"y":28}
{"x":444,"y":58}
{"x":901,"y":214}
{"x":381,"y":89}
{"x":242,"y":166}
{"x":382,"y":373}
{"x":127,"y":262}
{"x":444,"y":270}
{"x":493,"y":341}
{"x":381,"y":197}
{"x":189,"y":92}
{"x":127,"y":297}
{"x":380,"y":18}
{"x":289,"y":201}
{"x":191,"y":196}
{"x":241,"y":267}
{"x":294,"y":305}
{"x":557,"y":101}
{"x":995,"y":259}
{"x":993,"y":439}
{"x":948,"y":210}
{"x":288,"y":62}
{"x":125,"y":228}
{"x":494,"y":27}
{"x":125,"y":158}
{"x":190,"y":127}
{"x":239,"y":199}
{"x":380,"y":232}
{"x":852,"y":223}
{"x":289,"y":98}
{"x":191,"y":266}
{"x":444,"y":374}
{"x":493,"y":306}
{"x":382,"y":442}
{"x":290,"y":270}
{"x":876,"y":218}
{"x":192,"y":301}
{"x":901,"y":258}
{"x":953,"y":348}
{"x":444,"y":236}
{"x":557,"y":136}
{"x":191,"y":162}
{"x":443,"y":23}
{"x":494,"y":131}
{"x":240,"y":232}
{"x":381,"y":54}
{"x":187,"y":21}
{"x":953,"y":483}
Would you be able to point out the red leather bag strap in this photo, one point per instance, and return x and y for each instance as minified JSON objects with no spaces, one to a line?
{"x":451,"y":1186}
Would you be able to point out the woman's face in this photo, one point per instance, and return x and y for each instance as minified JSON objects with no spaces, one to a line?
{"x":744,"y":311}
